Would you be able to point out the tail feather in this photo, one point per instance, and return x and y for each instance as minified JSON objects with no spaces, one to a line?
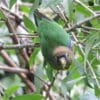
{"x":39,"y":16}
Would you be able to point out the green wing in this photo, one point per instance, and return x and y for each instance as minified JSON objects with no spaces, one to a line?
{"x":53,"y":34}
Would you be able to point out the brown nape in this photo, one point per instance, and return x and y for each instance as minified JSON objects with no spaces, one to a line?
{"x":61,"y":50}
{"x":63,"y":56}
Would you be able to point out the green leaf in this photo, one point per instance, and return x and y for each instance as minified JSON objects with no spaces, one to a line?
{"x":70,"y":9}
{"x":71,"y":83}
{"x":29,"y":97}
{"x":29,"y":24}
{"x":12,"y":2}
{"x":82,"y":10}
{"x":13,"y":88}
{"x":49,"y":3}
{"x":33,"y":56}
{"x":97,"y":91}
{"x":2,"y":15}
{"x":61,"y":22}
{"x":97,"y":8}
{"x":89,"y":44}
{"x":35,"y":5}
{"x":49,"y":72}
{"x":87,"y":81}
{"x":95,"y":23}
{"x":31,"y":1}
{"x":24,"y":8}
{"x":39,"y":73}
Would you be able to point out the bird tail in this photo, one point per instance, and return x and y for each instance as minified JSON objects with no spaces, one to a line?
{"x":39,"y":16}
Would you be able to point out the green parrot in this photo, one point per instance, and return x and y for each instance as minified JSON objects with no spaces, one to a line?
{"x":55,"y":43}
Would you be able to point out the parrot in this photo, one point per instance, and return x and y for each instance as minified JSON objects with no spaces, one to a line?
{"x":55,"y":43}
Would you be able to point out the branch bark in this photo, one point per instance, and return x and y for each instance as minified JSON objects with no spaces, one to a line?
{"x":6,"y":57}
{"x":13,"y":69}
{"x":22,"y":75}
{"x":82,"y":22}
{"x":19,"y":46}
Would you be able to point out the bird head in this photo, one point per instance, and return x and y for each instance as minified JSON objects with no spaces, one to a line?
{"x":63,"y":56}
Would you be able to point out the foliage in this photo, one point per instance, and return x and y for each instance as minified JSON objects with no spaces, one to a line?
{"x":17,"y":26}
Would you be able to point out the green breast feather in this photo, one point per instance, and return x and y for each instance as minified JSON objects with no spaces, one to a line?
{"x":52,"y":35}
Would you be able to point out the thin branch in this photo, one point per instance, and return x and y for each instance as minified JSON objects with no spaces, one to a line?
{"x":12,"y":25}
{"x":80,"y":47}
{"x":12,"y":29}
{"x":62,"y":14}
{"x":85,"y":31}
{"x":90,"y":28}
{"x":11,"y":15}
{"x":22,"y":75}
{"x":90,"y":67}
{"x":19,"y":46}
{"x":41,"y":80}
{"x":50,"y":96}
{"x":19,"y":70}
{"x":14,"y":17}
{"x":13,"y":69}
{"x":21,"y":35}
{"x":82,"y":22}
{"x":53,"y":80}
{"x":86,"y":7}
{"x":49,"y":87}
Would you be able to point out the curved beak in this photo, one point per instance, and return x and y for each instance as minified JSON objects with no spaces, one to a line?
{"x":63,"y":61}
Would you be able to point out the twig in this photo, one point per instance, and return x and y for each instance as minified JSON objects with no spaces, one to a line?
{"x":12,"y":29}
{"x":80,"y":47}
{"x":85,"y":31}
{"x":11,"y":15}
{"x":13,"y":69}
{"x":19,"y":70}
{"x":53,"y":80}
{"x":90,"y":28}
{"x":14,"y":17}
{"x":21,"y":35}
{"x":86,"y":7}
{"x":12,"y":25}
{"x":19,"y":46}
{"x":49,"y":87}
{"x":50,"y":96}
{"x":41,"y":79}
{"x":22,"y":75}
{"x":82,"y":22}
{"x":62,"y":14}
{"x":90,"y":67}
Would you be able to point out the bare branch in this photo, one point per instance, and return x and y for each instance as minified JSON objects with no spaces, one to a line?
{"x":50,"y":96}
{"x":19,"y":70}
{"x":90,"y":28}
{"x":22,"y":75}
{"x":13,"y":69}
{"x":82,"y":22}
{"x":80,"y":47}
{"x":49,"y":87}
{"x":21,"y":35}
{"x":19,"y":46}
